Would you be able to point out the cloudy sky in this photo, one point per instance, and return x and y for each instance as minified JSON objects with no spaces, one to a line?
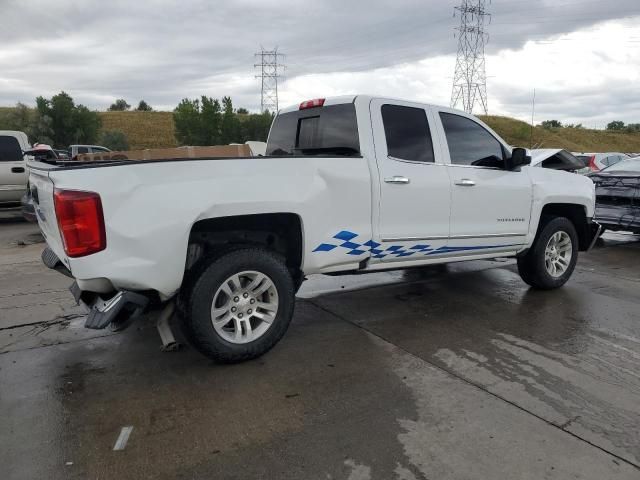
{"x":581,"y":56}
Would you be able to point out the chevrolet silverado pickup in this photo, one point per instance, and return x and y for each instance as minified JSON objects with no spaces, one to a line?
{"x":348,"y":185}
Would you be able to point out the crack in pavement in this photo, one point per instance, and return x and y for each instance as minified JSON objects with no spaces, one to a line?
{"x":46,"y":323}
{"x":55,"y":344}
{"x":569,"y":422}
{"x":21,"y":294}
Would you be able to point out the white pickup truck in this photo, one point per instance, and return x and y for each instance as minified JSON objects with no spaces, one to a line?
{"x":348,"y":185}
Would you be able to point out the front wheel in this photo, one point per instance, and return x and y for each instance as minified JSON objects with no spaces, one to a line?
{"x":553,"y":256}
{"x":240,"y":306}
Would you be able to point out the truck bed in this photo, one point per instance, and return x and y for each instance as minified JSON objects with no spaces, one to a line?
{"x":151,"y":206}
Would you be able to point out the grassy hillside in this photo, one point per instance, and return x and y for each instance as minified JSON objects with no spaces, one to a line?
{"x":156,"y":130}
{"x":518,"y":133}
{"x":143,"y":129}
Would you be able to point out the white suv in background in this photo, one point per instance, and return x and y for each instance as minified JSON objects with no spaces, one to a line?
{"x":13,"y":171}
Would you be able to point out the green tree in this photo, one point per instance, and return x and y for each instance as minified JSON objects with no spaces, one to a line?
{"x":41,"y":130}
{"x":206,"y":121}
{"x":229,"y":131}
{"x":615,"y":125}
{"x":87,"y":125}
{"x":144,"y":107}
{"x":210,"y":121}
{"x":242,"y":111}
{"x":119,"y":105}
{"x":69,"y":123}
{"x":30,"y":121}
{"x":256,"y":127}
{"x":551,"y":124}
{"x":186,"y":118}
{"x":114,"y":140}
{"x":633,"y":127}
{"x":20,"y":118}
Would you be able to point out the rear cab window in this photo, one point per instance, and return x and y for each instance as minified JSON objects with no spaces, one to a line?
{"x":10,"y":150}
{"x":407,"y":133}
{"x":328,"y":130}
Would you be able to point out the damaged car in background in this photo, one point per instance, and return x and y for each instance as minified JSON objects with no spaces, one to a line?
{"x":557,"y":159}
{"x":618,"y":196}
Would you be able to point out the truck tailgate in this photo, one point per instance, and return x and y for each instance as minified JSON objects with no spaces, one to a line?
{"x":42,"y":193}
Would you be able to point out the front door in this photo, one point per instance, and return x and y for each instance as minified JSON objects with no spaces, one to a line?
{"x":414,"y":183}
{"x":13,"y":172}
{"x":490,"y":206}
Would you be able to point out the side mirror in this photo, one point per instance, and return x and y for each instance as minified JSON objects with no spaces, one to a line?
{"x":519,"y":158}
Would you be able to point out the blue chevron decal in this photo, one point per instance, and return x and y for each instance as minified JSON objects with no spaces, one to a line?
{"x":346,"y":239}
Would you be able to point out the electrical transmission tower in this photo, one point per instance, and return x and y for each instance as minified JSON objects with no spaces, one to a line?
{"x":470,"y":79}
{"x":270,"y":70}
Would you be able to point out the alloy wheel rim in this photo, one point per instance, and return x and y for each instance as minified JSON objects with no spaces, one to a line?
{"x":244,"y":307}
{"x":557,"y":254}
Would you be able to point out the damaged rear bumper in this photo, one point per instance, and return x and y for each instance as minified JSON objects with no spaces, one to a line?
{"x":120,"y":309}
{"x":117,"y":308}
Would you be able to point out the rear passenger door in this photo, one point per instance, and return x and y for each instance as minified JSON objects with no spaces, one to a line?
{"x":413,"y":215}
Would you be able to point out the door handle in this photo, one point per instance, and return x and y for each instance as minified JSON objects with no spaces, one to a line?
{"x":465,"y":182}
{"x":17,"y":170}
{"x":397,"y":180}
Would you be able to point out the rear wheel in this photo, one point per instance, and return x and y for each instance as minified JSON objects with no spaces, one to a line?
{"x":240,"y":306}
{"x":553,"y":256}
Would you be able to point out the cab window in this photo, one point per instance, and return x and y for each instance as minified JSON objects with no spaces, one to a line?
{"x":470,"y":143}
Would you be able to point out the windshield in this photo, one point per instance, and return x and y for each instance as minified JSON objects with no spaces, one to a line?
{"x":629,"y":165}
{"x":330,"y":130}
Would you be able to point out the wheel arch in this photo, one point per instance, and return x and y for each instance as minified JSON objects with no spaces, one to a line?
{"x":281,"y":232}
{"x":575,"y":213}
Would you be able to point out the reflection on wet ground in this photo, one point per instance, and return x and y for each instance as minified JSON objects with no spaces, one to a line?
{"x":456,"y":371}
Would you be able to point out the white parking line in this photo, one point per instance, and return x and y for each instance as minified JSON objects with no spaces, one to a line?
{"x":123,"y":438}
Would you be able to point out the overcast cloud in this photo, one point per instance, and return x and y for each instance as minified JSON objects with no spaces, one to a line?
{"x":582,"y":56}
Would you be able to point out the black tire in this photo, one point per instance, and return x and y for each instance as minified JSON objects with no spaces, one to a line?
{"x":197,"y":308}
{"x":532,"y":266}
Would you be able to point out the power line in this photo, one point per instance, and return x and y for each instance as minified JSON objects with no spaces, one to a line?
{"x":470,"y":79}
{"x":270,"y":71}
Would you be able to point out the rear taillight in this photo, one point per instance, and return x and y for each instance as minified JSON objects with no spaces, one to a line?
{"x":592,"y":164}
{"x":318,"y":102}
{"x":80,"y":221}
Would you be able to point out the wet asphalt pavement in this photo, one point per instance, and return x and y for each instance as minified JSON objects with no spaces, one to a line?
{"x":449,"y":372}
